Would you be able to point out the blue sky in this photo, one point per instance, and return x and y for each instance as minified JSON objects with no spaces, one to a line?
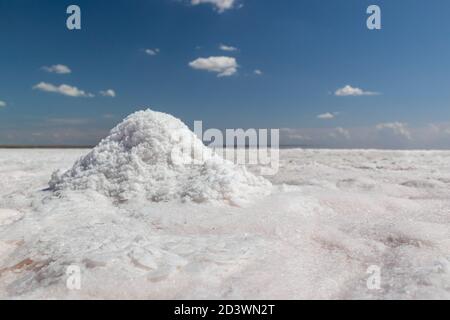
{"x":149,"y":53}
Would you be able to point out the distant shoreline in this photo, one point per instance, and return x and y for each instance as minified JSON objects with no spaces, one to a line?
{"x":283,"y":147}
{"x":44,"y":147}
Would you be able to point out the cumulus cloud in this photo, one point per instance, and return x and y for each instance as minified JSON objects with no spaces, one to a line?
{"x":57,"y":68}
{"x":224,"y":47}
{"x":342,"y":132}
{"x":352,"y":91}
{"x":63,"y":89}
{"x":220,"y":5}
{"x":108,"y":93}
{"x":223,"y":66}
{"x":398,"y":128}
{"x":326,"y":116}
{"x":152,"y":52}
{"x":2,"y":104}
{"x":258,"y":72}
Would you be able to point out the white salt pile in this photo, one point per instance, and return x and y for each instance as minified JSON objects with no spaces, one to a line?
{"x":154,"y":156}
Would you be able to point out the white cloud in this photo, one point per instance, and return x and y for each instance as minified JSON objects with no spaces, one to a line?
{"x":351,"y":91}
{"x":108,"y":93}
{"x":152,"y":52}
{"x":224,"y":66}
{"x":340,"y":132}
{"x":2,"y":104}
{"x":258,"y":72}
{"x":398,"y":128}
{"x":326,"y":116}
{"x":63,"y":89}
{"x":220,"y":5}
{"x":58,"y":68}
{"x":343,"y":132}
{"x":224,"y":47}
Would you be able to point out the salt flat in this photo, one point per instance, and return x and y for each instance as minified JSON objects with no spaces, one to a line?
{"x":332,"y":214}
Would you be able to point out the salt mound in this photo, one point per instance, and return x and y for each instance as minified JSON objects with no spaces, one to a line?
{"x":154,"y":156}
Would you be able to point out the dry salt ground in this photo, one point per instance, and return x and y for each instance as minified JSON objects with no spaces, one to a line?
{"x":312,"y":232}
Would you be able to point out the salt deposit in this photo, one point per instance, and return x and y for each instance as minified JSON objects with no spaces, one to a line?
{"x":331,"y":216}
{"x":154,"y":156}
{"x":8,"y":216}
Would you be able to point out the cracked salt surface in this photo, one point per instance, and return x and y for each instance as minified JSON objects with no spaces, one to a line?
{"x":330,"y":215}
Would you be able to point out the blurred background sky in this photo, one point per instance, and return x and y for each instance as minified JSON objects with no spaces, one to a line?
{"x":309,"y":67}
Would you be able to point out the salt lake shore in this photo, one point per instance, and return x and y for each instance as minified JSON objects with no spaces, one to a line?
{"x":220,"y":231}
{"x":336,"y":213}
